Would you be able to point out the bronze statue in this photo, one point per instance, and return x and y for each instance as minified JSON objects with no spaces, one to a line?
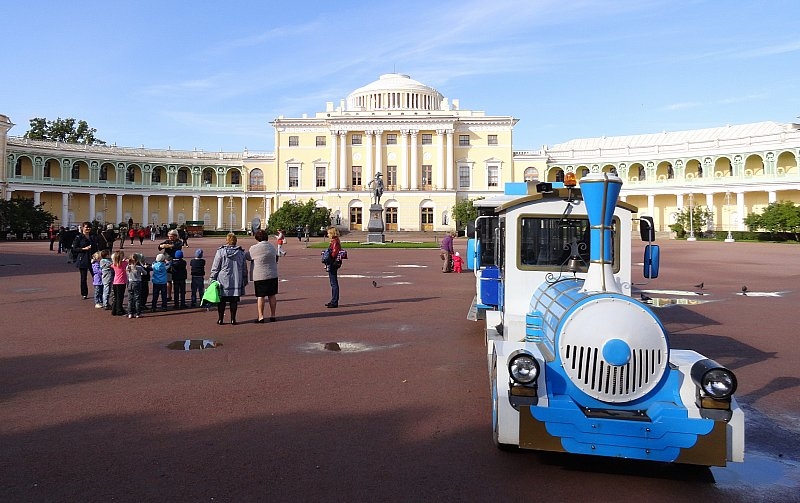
{"x":377,"y":188}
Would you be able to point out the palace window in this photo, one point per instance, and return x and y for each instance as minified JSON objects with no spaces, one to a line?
{"x":129,"y":174}
{"x":76,"y":173}
{"x":426,"y":216}
{"x":294,"y":176}
{"x":492,"y":139}
{"x":320,"y":176}
{"x":46,"y":172}
{"x":236,"y":177}
{"x":355,"y":139}
{"x":320,"y":141}
{"x":103,"y":173}
{"x":427,"y":139}
{"x":391,"y":216}
{"x":427,"y":176}
{"x":531,"y":174}
{"x":183,"y":176}
{"x":156,"y":176}
{"x":391,"y":177}
{"x":18,"y":168}
{"x":463,"y":177}
{"x":493,"y":176}
{"x":463,"y":140}
{"x":356,"y":176}
{"x":391,"y":139}
{"x":294,"y":141}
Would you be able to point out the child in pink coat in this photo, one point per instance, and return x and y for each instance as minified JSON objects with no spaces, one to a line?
{"x":458,"y":262}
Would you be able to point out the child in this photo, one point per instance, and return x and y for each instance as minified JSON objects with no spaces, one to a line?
{"x":97,"y":280}
{"x":198,"y":268}
{"x":458,"y":262}
{"x":118,"y":265}
{"x":144,"y":291}
{"x":178,"y":269}
{"x":134,"y":276}
{"x":108,"y":277}
{"x":159,"y":277}
{"x":279,"y":238}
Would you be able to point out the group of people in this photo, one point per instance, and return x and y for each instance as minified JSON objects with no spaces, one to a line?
{"x":116,"y":276}
{"x":451,"y":260}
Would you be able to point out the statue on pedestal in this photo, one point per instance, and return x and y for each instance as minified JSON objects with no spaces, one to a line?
{"x":377,"y":188}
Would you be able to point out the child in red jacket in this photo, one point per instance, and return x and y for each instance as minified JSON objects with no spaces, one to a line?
{"x":458,"y":262}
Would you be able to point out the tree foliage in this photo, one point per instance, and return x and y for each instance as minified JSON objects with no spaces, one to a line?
{"x":783,"y":216}
{"x":19,"y":215}
{"x":294,"y":213}
{"x":464,"y":212}
{"x":63,"y":130}
{"x":698,"y":218}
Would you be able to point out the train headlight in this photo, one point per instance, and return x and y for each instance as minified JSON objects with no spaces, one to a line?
{"x":713,"y":379}
{"x":523,"y":368}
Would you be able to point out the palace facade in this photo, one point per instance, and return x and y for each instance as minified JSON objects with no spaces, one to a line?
{"x":430,"y":152}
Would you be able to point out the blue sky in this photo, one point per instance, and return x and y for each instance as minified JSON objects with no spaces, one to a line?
{"x":211,"y":75}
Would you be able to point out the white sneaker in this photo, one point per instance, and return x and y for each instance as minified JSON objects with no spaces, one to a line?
{"x":130,"y":316}
{"x":98,"y":306}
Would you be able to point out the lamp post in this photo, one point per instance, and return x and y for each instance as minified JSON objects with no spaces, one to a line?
{"x":691,"y":218}
{"x":729,"y":238}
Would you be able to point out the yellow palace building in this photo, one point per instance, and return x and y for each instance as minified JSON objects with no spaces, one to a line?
{"x":430,"y":152}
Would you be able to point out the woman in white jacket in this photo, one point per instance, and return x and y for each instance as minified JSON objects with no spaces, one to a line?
{"x":229,"y":270}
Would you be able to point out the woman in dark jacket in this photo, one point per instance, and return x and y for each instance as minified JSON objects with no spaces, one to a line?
{"x":229,"y":270}
{"x":84,"y":246}
{"x":333,"y":266}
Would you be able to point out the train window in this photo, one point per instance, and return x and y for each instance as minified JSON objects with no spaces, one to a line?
{"x":548,"y":243}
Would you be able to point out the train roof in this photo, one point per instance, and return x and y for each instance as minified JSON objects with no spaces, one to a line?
{"x":518,"y":193}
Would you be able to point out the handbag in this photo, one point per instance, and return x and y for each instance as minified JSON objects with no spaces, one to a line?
{"x":211,"y":295}
{"x":326,"y":256}
{"x":342,"y":255}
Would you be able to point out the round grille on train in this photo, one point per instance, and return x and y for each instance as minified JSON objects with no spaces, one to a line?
{"x":613,"y":348}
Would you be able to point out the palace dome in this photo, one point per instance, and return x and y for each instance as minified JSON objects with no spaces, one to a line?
{"x":394,"y":91}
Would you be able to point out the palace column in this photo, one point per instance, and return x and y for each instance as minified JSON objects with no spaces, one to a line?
{"x":368,"y":164}
{"x":414,"y":169}
{"x":65,"y":208}
{"x":119,"y":208}
{"x":145,"y":209}
{"x":772,"y":197}
{"x":651,"y":205}
{"x":195,"y":208}
{"x":92,"y":206}
{"x":740,"y":210}
{"x":37,"y":197}
{"x":378,"y":151}
{"x":170,"y":209}
{"x":244,"y":212}
{"x":449,"y":161}
{"x":402,"y":175}
{"x":440,"y":160}
{"x":220,"y":218}
{"x":343,"y":160}
{"x":333,"y":171}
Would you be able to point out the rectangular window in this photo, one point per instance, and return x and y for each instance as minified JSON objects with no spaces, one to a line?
{"x":463,"y":177}
{"x":549,"y":243}
{"x":427,"y":216}
{"x":427,"y":139}
{"x":320,"y":141}
{"x":492,"y":139}
{"x":391,"y":177}
{"x":320,"y":176}
{"x":391,"y":216}
{"x":356,"y":176}
{"x":103,"y":176}
{"x":391,"y":139}
{"x":294,"y":141}
{"x":156,"y":176}
{"x":493,"y":176}
{"x":294,"y":176}
{"x":463,"y":140}
{"x":427,"y":174}
{"x":355,"y":139}
{"x":46,"y":172}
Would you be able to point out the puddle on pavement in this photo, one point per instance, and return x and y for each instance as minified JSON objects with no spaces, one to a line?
{"x":28,"y":290}
{"x":665,"y":302}
{"x":761,"y":472}
{"x":345,"y":347}
{"x":189,"y":344}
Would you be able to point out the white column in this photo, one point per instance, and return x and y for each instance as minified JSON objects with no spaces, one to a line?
{"x":195,"y":207}
{"x":65,"y":209}
{"x":440,"y":169}
{"x":220,"y":218}
{"x":145,"y":209}
{"x":92,"y":206}
{"x":37,"y":197}
{"x":772,"y":196}
{"x":710,"y":200}
{"x":367,"y":174}
{"x":740,"y":210}
{"x":343,"y":167}
{"x":414,"y":169}
{"x":244,"y":212}
{"x":449,"y":162}
{"x":170,"y":209}
{"x":679,"y":201}
{"x":333,"y":171}
{"x":402,"y":173}
{"x":119,"y":208}
{"x":651,"y":203}
{"x":378,"y":151}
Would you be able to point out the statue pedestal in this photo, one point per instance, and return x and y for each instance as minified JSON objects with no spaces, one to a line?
{"x":375,"y":225}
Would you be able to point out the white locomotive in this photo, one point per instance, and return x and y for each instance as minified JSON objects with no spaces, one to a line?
{"x":576,"y":364}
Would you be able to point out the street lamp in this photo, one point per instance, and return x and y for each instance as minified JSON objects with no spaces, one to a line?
{"x":691,"y":218}
{"x":728,"y":239}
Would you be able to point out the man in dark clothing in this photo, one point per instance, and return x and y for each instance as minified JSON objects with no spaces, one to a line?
{"x":107,"y":238}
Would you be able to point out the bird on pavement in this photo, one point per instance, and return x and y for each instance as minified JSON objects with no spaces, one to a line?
{"x":744,"y":290}
{"x":375,"y":284}
{"x":700,"y":286}
{"x":645,"y":298}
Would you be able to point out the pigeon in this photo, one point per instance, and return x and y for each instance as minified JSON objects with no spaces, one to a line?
{"x":700,"y":286}
{"x":375,"y":284}
{"x":645,"y":298}
{"x":744,"y":290}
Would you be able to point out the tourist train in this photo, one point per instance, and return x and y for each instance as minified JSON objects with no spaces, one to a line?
{"x":576,"y":364}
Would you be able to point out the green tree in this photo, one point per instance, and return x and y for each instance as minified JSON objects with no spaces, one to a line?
{"x":783,"y":216}
{"x":20,"y":215}
{"x":464,"y":212}
{"x":294,"y":213}
{"x":64,"y":130}
{"x":698,"y":218}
